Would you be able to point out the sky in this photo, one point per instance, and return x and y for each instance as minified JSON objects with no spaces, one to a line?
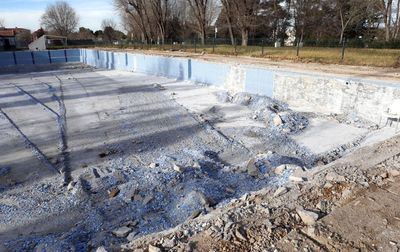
{"x":26,"y":13}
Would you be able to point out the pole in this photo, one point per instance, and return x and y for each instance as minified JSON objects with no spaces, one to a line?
{"x":213,"y":45}
{"x":235,"y":47}
{"x":195,"y":46}
{"x":298,"y":48}
{"x":262,"y":47}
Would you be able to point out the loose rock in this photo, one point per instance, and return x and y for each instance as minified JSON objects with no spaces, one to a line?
{"x":153,"y":165}
{"x":101,"y":249}
{"x":154,"y":248}
{"x":4,"y":171}
{"x":113,"y":192}
{"x":239,"y":235}
{"x":71,"y":185}
{"x":280,"y":191}
{"x":280,"y":169}
{"x":251,"y":168}
{"x":394,"y":173}
{"x":131,"y":236}
{"x":308,"y":217}
{"x":147,"y":199}
{"x":277,"y":120}
{"x":121,"y":232}
{"x":333,"y":176}
{"x":295,"y":178}
{"x":178,"y":168}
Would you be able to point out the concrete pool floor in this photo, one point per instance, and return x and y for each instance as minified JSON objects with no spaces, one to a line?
{"x":167,"y":146}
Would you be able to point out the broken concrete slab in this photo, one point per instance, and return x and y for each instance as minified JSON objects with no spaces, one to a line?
{"x":324,"y":135}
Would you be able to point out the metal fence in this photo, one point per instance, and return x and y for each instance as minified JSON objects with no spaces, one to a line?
{"x":324,"y":51}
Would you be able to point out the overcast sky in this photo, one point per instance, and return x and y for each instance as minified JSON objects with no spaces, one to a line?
{"x":26,"y":13}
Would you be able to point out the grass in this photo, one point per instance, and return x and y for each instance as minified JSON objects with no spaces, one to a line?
{"x":353,"y":56}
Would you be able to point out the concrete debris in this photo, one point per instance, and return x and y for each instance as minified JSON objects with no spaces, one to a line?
{"x":71,"y":185}
{"x":113,"y":192}
{"x":239,"y":235}
{"x":195,"y":214}
{"x":230,"y":190}
{"x":272,"y":112}
{"x":295,"y":178}
{"x":308,"y":217}
{"x":252,"y":169}
{"x":277,"y":120}
{"x":4,"y":171}
{"x":158,"y":86}
{"x":178,"y":168}
{"x":334,"y":177}
{"x":153,"y":165}
{"x":281,"y":191}
{"x":147,"y":199}
{"x":196,"y":165}
{"x":322,"y":205}
{"x":131,"y":224}
{"x":384,"y":175}
{"x":132,"y":236}
{"x":394,"y":173}
{"x":169,"y":243}
{"x":154,"y":249}
{"x":101,"y":249}
{"x":122,"y":231}
{"x":280,"y":169}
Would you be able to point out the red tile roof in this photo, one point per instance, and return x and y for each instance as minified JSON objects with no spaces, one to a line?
{"x":7,"y":33}
{"x":11,"y":32}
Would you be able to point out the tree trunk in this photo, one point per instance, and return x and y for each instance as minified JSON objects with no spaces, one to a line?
{"x":202,"y":35}
{"x":341,"y":36}
{"x":245,"y":37}
{"x":397,"y":23}
{"x":387,"y":17}
{"x":228,"y":13}
{"x":228,"y":20}
{"x":162,"y":39}
{"x":387,"y":33}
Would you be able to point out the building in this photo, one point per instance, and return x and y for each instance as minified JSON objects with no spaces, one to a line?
{"x":14,"y":38}
{"x":46,"y":41}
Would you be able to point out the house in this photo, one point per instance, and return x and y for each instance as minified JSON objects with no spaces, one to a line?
{"x":14,"y":38}
{"x":48,"y":41}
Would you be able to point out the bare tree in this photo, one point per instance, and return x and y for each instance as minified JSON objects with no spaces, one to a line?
{"x":135,"y":12}
{"x":160,"y":10}
{"x":108,"y":22}
{"x":2,"y":22}
{"x":204,"y":12}
{"x":109,"y":29}
{"x":390,"y":11}
{"x":350,"y":11}
{"x":397,"y":20}
{"x":301,"y":11}
{"x":227,"y":9}
{"x":246,"y":12}
{"x":60,"y":18}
